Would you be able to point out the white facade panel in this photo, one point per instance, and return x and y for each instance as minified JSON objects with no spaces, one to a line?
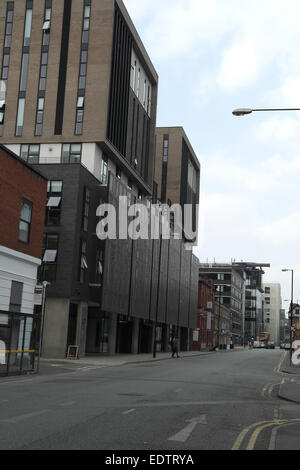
{"x":16,"y":266}
{"x":50,"y":153}
{"x":14,"y":148}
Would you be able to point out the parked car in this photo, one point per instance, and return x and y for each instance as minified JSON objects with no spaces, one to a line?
{"x":282,"y":345}
{"x":271,"y":345}
{"x":256,"y":344}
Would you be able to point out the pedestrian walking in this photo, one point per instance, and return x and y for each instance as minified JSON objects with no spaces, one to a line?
{"x":174,"y":346}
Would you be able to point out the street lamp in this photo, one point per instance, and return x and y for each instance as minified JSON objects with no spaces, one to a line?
{"x":44,"y":284}
{"x":244,"y":111}
{"x":292,"y":303}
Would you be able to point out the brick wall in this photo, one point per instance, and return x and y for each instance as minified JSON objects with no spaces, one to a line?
{"x":18,"y":181}
{"x":205,"y":336}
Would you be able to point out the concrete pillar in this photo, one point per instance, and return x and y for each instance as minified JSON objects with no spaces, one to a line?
{"x":135,"y":336}
{"x":56,"y":323}
{"x":82,"y":318}
{"x":112,"y":338}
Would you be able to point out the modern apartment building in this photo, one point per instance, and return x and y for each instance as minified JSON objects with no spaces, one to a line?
{"x":80,"y":107}
{"x":22,"y":214}
{"x":273,"y":307}
{"x":177,"y":172}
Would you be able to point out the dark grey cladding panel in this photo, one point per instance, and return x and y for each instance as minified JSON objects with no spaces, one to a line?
{"x":141,"y":279}
{"x":162,"y":302}
{"x":185,"y":285}
{"x":174,"y":282}
{"x":194,"y":293}
{"x":154,"y":282}
{"x":137,"y":135}
{"x":67,"y":257}
{"x":116,"y":278}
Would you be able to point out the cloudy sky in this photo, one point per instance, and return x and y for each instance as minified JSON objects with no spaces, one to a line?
{"x":213,"y":56}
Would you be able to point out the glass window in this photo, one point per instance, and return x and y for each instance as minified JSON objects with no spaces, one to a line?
{"x":6,"y":60}
{"x":45,"y":58}
{"x":20,"y":116}
{"x":27,"y":32}
{"x":80,"y":102}
{"x":7,"y":42}
{"x":43,"y":73}
{"x":82,"y":82}
{"x":86,"y":209}
{"x":25,"y":221}
{"x":10,"y":15}
{"x":46,"y":38}
{"x":46,"y":26}
{"x":71,"y":153}
{"x":55,"y":186}
{"x":42,"y":85}
{"x":24,"y":72}
{"x":48,"y":14}
{"x":104,"y":171}
{"x":85,"y":37}
{"x":83,"y":261}
{"x":84,"y":57}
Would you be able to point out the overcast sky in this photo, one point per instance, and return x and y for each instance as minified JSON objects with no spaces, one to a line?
{"x":213,"y":56}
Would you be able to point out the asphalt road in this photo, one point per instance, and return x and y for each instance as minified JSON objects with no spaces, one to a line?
{"x":226,"y":400}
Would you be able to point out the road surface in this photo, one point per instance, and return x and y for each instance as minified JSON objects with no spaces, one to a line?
{"x":222,"y":401}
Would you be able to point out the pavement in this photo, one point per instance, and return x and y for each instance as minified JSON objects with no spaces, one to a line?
{"x":289,"y":389}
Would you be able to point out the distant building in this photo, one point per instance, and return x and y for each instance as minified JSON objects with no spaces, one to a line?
{"x":229,"y":283}
{"x":204,"y":335}
{"x":283,"y":325}
{"x":273,"y":307}
{"x":22,"y":215}
{"x":254,"y":304}
{"x":214,"y":327}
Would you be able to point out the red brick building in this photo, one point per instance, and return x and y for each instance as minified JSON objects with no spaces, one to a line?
{"x":204,"y":337}
{"x":214,"y":327}
{"x":18,"y":182}
{"x":23,"y":193}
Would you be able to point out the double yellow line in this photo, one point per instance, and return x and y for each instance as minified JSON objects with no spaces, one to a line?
{"x":278,"y":368}
{"x":258,"y":428}
{"x":268,"y":390}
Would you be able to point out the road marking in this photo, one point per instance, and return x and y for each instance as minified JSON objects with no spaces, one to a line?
{"x":17,"y":419}
{"x":272,"y":445}
{"x":260,"y":429}
{"x":128,"y":412}
{"x":238,"y":442}
{"x":264,"y":390}
{"x":278,"y":368}
{"x":185,"y":433}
